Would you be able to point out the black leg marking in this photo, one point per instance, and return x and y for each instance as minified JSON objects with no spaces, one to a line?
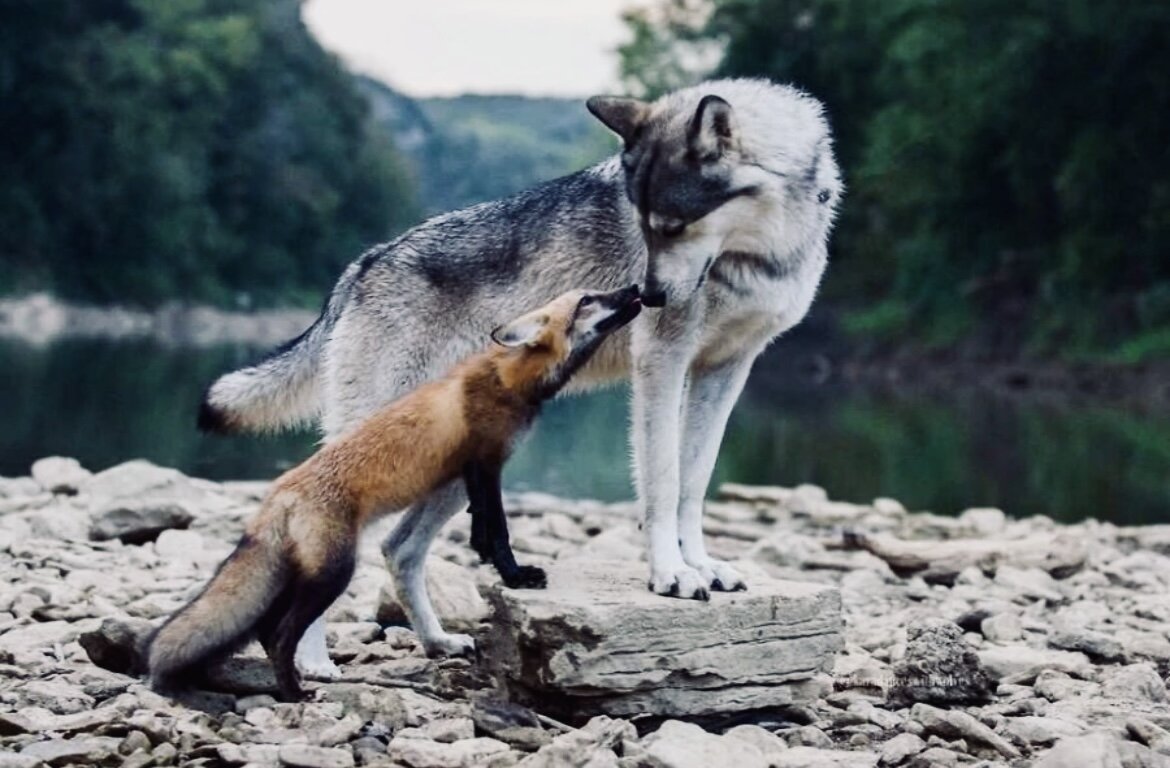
{"x":489,"y":528}
{"x":309,"y":598}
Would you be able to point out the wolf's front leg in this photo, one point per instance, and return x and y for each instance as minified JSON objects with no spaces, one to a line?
{"x":405,"y":550}
{"x":709,"y":400}
{"x":661,"y":355}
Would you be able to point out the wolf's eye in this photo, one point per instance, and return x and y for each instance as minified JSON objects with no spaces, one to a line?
{"x":586,"y":301}
{"x":629,"y":162}
{"x":672,"y":228}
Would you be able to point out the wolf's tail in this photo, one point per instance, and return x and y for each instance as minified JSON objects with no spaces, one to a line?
{"x":224,"y":614}
{"x":282,"y":390}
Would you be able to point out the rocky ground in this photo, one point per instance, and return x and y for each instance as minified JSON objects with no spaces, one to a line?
{"x":972,"y":640}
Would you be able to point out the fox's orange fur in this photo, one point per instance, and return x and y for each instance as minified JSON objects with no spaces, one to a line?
{"x":297,"y":554}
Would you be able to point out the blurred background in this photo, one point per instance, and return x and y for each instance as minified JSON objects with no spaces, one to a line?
{"x":182,"y":181}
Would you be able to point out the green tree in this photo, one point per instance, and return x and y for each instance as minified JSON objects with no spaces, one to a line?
{"x":183,"y":149}
{"x":1008,"y":177}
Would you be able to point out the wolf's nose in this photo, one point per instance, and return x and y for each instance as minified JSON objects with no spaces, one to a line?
{"x":656,"y":298}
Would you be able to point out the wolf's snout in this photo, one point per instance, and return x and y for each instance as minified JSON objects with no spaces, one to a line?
{"x":654,"y":296}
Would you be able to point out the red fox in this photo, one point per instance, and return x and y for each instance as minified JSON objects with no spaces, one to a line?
{"x":297,"y":554}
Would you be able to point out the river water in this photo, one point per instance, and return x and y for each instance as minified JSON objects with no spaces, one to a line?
{"x":104,"y":402}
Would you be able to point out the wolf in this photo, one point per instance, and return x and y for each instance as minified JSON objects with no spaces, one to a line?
{"x":720,"y":203}
{"x":297,"y":555}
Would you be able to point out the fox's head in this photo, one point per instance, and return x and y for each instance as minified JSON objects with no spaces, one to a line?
{"x":550,"y":344}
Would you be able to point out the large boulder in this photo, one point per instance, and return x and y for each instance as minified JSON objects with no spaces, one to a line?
{"x":597,"y":641}
{"x":939,"y":667}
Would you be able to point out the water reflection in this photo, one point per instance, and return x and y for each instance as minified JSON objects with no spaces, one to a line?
{"x":105,"y":402}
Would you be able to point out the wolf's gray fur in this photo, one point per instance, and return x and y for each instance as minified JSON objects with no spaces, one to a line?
{"x":721,"y":202}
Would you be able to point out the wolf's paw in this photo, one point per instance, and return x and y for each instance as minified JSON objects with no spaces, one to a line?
{"x":318,"y":668}
{"x":526,"y":577}
{"x":684,"y":582}
{"x":719,"y":575}
{"x":446,"y":645}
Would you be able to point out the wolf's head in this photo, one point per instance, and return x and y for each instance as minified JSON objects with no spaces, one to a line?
{"x":551,"y":343}
{"x":700,"y":175}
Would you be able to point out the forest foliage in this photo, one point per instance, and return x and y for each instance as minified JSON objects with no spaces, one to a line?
{"x":1006,"y":161}
{"x":471,"y":148}
{"x":195,"y":150}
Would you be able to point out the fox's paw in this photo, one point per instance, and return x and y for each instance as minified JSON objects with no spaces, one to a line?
{"x":684,"y":582}
{"x":446,"y":645}
{"x":719,"y":575}
{"x":526,"y":577}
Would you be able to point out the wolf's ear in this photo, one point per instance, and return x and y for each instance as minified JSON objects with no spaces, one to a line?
{"x":620,"y":114}
{"x":523,"y":331}
{"x":712,"y":131}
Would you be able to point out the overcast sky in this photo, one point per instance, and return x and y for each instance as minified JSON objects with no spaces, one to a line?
{"x":444,"y":47}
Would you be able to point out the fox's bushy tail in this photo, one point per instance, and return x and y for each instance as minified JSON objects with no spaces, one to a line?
{"x":283,"y":389}
{"x":224,"y":614}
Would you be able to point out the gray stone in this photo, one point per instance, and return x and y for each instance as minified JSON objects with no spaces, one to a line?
{"x":983,"y":521}
{"x":938,"y":757}
{"x":245,"y":754}
{"x":13,"y":760}
{"x":510,"y":723}
{"x":57,"y":696}
{"x":44,"y":636}
{"x":444,"y":729}
{"x":372,"y":703}
{"x":1021,"y":663}
{"x":812,"y":757}
{"x":900,"y":748}
{"x":809,"y":736}
{"x":1002,"y":627}
{"x":939,"y":667}
{"x":593,"y":745}
{"x":79,"y":751}
{"x":57,"y":474}
{"x":763,"y":739}
{"x":118,"y":644}
{"x":955,"y":724}
{"x":1099,"y":749}
{"x":1057,"y":686}
{"x":469,"y":753}
{"x":306,"y":756}
{"x":1153,"y":736}
{"x":598,"y":641}
{"x":1135,"y":682}
{"x":178,"y":544}
{"x":18,"y":487}
{"x":1041,"y":730}
{"x":1096,"y":645}
{"x":685,"y":745}
{"x":137,"y":522}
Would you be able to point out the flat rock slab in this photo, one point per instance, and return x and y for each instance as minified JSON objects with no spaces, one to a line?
{"x":598,"y":642}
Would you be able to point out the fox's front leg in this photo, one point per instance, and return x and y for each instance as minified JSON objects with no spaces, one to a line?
{"x":661,"y":354}
{"x":489,"y":526}
{"x":709,"y":400}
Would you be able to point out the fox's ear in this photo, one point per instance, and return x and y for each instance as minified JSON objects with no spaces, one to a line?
{"x":712,"y":131}
{"x":620,"y":114}
{"x":523,"y":331}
